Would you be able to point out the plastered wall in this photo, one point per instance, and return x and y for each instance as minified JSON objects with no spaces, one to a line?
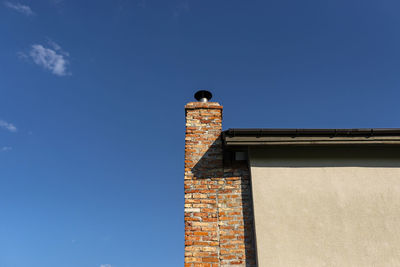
{"x":326,"y":206}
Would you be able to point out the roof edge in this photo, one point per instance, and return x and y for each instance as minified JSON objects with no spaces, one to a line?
{"x":312,"y":132}
{"x":359,"y":136}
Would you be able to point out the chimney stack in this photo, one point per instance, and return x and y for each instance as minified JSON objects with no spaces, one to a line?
{"x":217,"y":208}
{"x":203,"y":145}
{"x":203,"y":162}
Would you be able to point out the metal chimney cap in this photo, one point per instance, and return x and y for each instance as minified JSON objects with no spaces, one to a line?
{"x":203,"y":96}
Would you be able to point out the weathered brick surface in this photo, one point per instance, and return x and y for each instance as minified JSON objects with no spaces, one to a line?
{"x":218,"y":209}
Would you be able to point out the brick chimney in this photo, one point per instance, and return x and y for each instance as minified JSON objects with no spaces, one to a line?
{"x":218,"y":209}
{"x":203,"y":149}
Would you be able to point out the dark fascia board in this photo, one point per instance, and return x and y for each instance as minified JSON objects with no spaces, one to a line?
{"x":265,"y":137}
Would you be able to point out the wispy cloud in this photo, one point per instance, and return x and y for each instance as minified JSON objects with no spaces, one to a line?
{"x":182,"y":7}
{"x":24,"y":9}
{"x":142,"y":3}
{"x":8,"y":126}
{"x":22,"y":55}
{"x":52,"y":58}
{"x":54,"y":45}
{"x":57,"y":47}
{"x":105,"y":265}
{"x":6,"y":148}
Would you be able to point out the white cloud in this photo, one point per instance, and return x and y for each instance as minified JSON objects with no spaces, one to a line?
{"x":105,"y":265}
{"x":8,"y":126}
{"x":6,"y":148}
{"x":57,"y":47}
{"x":50,"y":59}
{"x":53,"y":44}
{"x":24,"y":9}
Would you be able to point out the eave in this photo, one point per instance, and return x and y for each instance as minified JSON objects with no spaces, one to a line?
{"x":273,"y":137}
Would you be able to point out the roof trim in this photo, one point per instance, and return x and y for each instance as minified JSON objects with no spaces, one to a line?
{"x":265,"y":137}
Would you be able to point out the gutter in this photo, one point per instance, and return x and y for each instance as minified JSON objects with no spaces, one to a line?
{"x":265,"y":137}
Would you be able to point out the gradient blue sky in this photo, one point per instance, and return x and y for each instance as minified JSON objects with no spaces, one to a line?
{"x":92,"y":118}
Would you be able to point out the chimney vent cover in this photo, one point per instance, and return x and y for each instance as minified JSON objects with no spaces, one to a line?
{"x":203,"y":96}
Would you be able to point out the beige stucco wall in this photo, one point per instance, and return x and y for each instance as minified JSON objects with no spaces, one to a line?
{"x":326,"y":206}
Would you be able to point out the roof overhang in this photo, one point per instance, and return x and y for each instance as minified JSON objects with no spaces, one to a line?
{"x":313,"y":137}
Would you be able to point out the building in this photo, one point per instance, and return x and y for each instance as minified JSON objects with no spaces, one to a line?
{"x":289,"y":197}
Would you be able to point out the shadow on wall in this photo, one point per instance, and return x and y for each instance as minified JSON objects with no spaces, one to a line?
{"x":323,"y":156}
{"x":210,"y":164}
{"x":234,"y":204}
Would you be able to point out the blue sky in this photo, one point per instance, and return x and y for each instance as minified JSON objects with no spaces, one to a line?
{"x":92,"y":117}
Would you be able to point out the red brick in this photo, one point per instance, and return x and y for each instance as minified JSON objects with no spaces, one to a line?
{"x":214,"y":234}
